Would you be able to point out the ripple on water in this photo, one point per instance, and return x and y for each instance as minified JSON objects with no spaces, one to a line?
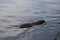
{"x":30,"y":10}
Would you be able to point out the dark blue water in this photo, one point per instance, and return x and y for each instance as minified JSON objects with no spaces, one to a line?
{"x":14,"y":12}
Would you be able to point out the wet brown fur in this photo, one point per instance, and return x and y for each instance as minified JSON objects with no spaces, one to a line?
{"x":27,"y":25}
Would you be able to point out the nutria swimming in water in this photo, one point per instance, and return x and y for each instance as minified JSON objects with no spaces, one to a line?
{"x":39,"y":22}
{"x":27,"y":25}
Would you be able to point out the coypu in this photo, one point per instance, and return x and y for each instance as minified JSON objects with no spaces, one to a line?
{"x":39,"y":22}
{"x":27,"y":25}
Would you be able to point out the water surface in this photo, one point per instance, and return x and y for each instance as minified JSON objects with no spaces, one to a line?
{"x":14,"y":12}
